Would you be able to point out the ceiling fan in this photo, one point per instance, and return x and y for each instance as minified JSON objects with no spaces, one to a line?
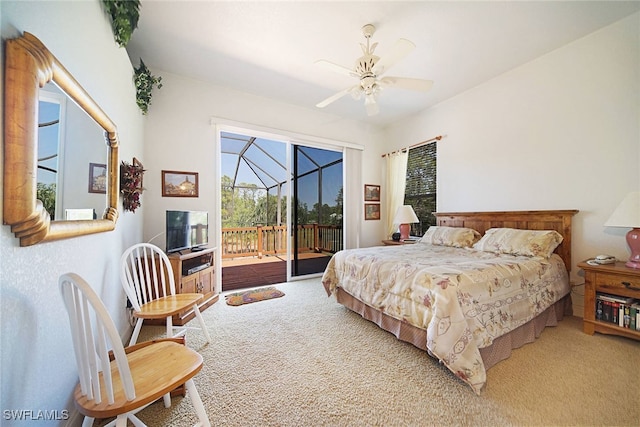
{"x":369,"y":69}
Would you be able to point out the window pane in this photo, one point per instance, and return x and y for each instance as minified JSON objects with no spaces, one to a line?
{"x":420,"y":191}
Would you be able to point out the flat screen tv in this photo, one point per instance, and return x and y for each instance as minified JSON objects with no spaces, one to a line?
{"x":187,"y":230}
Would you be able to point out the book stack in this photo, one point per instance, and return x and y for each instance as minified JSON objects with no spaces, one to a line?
{"x":621,"y":311}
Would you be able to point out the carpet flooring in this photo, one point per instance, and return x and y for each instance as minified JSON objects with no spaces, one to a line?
{"x":305,"y":360}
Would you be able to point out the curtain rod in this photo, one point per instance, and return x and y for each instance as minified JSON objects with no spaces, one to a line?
{"x":419,"y":144}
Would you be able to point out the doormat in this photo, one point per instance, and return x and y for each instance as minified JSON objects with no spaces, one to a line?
{"x":255,"y":295}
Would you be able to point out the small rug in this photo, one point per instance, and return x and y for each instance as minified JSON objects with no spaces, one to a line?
{"x":255,"y":295}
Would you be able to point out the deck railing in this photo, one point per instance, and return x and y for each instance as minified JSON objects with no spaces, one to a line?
{"x":272,"y":240}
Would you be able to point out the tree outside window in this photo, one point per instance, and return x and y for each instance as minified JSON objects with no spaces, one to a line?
{"x":420,"y":191}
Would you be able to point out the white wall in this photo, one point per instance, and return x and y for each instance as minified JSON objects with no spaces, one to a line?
{"x":561,"y":132}
{"x":38,"y":365}
{"x":179,"y":137}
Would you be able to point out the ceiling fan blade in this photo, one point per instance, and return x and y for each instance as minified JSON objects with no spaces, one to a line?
{"x":336,"y":68}
{"x":407,"y":83}
{"x":401,"y":49}
{"x":335,"y":97}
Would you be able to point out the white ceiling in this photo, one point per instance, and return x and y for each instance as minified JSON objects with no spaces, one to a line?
{"x":269,"y":48}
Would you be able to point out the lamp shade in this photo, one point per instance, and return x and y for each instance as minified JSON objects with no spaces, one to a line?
{"x":405,"y":215}
{"x":627,"y":214}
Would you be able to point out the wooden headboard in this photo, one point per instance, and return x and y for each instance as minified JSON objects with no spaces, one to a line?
{"x":559,"y":221}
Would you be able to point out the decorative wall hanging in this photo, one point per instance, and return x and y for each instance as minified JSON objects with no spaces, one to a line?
{"x":131,"y":184}
{"x":97,"y":178}
{"x":145,"y":81}
{"x":179,"y":184}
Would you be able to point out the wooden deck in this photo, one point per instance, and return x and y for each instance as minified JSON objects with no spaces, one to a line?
{"x":241,"y":273}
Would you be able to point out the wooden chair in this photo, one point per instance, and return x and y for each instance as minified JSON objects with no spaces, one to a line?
{"x":117,"y":381}
{"x":147,"y":278}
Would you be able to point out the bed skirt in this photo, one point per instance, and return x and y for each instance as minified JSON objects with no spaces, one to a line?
{"x":499,"y":350}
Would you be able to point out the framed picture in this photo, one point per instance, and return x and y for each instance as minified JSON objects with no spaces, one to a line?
{"x":371,"y":211}
{"x":179,"y":184}
{"x":97,"y":178}
{"x":371,"y":193}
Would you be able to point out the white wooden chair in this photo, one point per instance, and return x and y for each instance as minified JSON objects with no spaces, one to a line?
{"x":147,"y":278}
{"x":117,"y":381}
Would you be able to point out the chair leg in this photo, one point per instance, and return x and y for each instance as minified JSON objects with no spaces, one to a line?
{"x":196,"y":310}
{"x":167,"y":397}
{"x":88,"y":422}
{"x":169,"y":327}
{"x":136,"y":332}
{"x":121,"y":421}
{"x":197,"y":403}
{"x":135,"y":421}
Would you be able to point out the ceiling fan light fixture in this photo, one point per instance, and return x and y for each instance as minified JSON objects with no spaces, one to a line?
{"x":369,"y":99}
{"x":356,"y":92}
{"x":370,"y":105}
{"x":368,"y":85}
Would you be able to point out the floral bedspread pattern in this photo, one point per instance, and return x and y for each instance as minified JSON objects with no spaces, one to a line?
{"x":464,"y":298}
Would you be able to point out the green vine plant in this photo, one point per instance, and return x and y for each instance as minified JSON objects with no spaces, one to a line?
{"x":124,"y":18}
{"x":145,"y":81}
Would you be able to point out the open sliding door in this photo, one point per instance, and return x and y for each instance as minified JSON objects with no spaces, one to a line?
{"x":317,"y":211}
{"x":281,"y":209}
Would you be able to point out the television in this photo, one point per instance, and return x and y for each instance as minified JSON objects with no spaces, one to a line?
{"x":186,"y":230}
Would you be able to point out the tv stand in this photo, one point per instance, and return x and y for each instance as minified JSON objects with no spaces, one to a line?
{"x":195,"y":272}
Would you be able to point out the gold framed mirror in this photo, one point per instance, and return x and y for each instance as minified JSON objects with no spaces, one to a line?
{"x":28,"y":67}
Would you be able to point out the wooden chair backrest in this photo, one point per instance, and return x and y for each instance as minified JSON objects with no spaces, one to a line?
{"x":146,"y":274}
{"x":94,"y":336}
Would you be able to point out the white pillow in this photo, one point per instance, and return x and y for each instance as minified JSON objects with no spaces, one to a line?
{"x":458,"y":237}
{"x":512,"y":241}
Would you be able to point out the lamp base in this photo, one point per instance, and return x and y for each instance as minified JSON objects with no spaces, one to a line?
{"x":633,"y":240}
{"x":404,"y":231}
{"x":632,"y":264}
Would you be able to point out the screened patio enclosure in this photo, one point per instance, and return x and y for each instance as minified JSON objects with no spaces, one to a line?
{"x":256,"y":187}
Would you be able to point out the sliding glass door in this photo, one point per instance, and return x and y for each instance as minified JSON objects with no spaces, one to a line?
{"x":281,"y":207}
{"x":317,"y":195}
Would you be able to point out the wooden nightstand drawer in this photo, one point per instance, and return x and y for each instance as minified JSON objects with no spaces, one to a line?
{"x":617,"y":282}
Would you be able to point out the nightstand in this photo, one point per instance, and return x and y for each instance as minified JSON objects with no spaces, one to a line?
{"x":399,"y":242}
{"x":392,"y":242}
{"x":612,"y":279}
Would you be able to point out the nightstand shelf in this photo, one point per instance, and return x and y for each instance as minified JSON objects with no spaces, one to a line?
{"x":612,"y":279}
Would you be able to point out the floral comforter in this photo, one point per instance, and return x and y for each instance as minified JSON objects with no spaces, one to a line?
{"x":463,"y":298}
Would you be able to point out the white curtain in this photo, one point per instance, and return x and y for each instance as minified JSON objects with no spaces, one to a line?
{"x":396,"y":181}
{"x":353,"y":197}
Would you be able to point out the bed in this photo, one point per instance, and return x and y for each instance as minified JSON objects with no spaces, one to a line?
{"x":476,"y":286}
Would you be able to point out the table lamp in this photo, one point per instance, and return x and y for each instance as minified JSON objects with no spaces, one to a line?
{"x":405,"y":216}
{"x":627,"y":215}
